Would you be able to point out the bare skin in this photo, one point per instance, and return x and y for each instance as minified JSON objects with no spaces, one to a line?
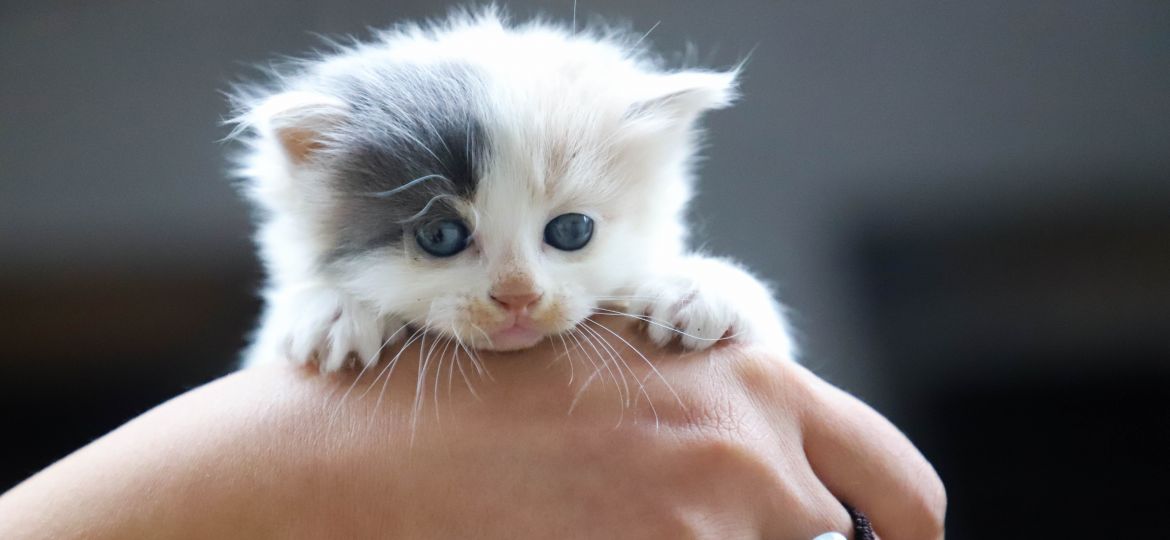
{"x":739,"y":445}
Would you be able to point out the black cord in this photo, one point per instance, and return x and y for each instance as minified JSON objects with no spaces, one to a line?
{"x":862,"y":528}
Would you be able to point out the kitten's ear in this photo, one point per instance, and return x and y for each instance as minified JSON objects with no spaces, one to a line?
{"x":678,"y":99}
{"x":299,"y":121}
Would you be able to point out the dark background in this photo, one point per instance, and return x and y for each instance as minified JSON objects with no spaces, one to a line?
{"x":967,"y":206}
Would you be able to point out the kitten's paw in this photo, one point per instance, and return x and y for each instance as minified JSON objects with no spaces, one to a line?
{"x":678,"y":307}
{"x":324,"y":327}
{"x":704,"y":301}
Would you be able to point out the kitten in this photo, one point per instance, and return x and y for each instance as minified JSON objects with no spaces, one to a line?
{"x":490,"y":183}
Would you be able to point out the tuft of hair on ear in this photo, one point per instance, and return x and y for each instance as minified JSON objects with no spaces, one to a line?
{"x":679,"y":99}
{"x":300,"y":121}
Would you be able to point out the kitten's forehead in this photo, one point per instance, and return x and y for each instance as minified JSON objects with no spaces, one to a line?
{"x":423,"y":142}
{"x":413,"y":145}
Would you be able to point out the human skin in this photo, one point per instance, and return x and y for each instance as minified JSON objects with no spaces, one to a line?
{"x":728,"y":443}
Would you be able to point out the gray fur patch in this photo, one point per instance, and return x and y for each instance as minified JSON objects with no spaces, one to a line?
{"x":413,"y":142}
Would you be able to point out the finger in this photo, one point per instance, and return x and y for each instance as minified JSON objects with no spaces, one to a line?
{"x":867,"y":463}
{"x":800,"y":506}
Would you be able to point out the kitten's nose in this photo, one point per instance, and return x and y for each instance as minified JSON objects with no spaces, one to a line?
{"x":516,"y":301}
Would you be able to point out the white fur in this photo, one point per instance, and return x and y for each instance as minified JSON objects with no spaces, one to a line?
{"x":630,"y":127}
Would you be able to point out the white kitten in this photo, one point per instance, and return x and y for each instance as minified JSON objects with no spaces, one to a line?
{"x":491,"y":183}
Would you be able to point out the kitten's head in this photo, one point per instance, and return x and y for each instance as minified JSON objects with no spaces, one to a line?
{"x":490,"y":183}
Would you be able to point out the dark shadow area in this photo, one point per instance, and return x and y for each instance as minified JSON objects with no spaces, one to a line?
{"x":87,"y":353}
{"x":1029,"y":355}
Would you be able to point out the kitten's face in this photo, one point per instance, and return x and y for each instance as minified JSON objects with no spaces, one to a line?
{"x":506,"y":266}
{"x":517,"y":230}
{"x":498,"y":197}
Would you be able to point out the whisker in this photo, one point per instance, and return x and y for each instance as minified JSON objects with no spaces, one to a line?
{"x":466,"y":380}
{"x":644,"y":36}
{"x":617,"y":362}
{"x":459,"y":345}
{"x":389,"y":369}
{"x":623,"y":401}
{"x":622,"y":363}
{"x":466,"y":348}
{"x":558,"y":357}
{"x":646,"y":360}
{"x":572,"y":368}
{"x":485,"y":335}
{"x":605,"y":365}
{"x":427,"y":208}
{"x":650,"y":320}
{"x":573,"y":332}
{"x":581,"y":391}
{"x":484,"y":370}
{"x":390,"y":193}
{"x":390,"y":365}
{"x":367,"y":365}
{"x":450,"y":368}
{"x":439,"y":377}
{"x":596,"y":370}
{"x":420,"y":387}
{"x":644,"y":318}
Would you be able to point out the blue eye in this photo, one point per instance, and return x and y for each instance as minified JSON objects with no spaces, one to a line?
{"x":442,"y":238}
{"x":569,"y":232}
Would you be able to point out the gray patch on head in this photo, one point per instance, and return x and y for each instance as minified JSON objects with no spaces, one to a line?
{"x":412,"y":145}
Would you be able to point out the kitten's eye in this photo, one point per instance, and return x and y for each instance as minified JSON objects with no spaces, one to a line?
{"x":569,"y":232}
{"x":442,"y":238}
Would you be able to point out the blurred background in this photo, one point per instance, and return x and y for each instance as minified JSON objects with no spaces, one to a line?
{"x":966,"y":205}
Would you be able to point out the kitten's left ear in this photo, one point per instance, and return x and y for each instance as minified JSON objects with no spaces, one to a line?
{"x":678,"y":99}
{"x":300,"y":121}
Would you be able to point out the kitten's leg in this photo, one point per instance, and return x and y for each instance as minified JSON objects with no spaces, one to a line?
{"x":701,"y":300}
{"x":318,"y":324}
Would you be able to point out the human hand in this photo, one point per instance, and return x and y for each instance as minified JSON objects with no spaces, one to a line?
{"x":727,"y":443}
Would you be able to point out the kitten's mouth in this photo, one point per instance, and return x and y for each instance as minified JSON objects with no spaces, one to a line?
{"x":517,"y":336}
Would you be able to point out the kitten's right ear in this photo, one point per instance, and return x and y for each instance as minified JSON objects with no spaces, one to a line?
{"x":299,"y":121}
{"x":678,"y":99}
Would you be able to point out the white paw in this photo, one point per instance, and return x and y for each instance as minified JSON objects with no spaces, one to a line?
{"x":325,"y":327}
{"x":679,"y":307}
{"x":703,"y":301}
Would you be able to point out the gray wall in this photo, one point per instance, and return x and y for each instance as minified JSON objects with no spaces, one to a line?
{"x":109,"y":112}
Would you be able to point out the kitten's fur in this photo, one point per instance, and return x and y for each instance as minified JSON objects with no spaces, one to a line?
{"x":504,"y":127}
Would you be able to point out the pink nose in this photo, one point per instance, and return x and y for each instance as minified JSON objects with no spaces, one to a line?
{"x":516,"y":301}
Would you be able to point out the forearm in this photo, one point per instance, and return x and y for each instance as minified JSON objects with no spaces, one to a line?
{"x":277,"y":452}
{"x":200,"y":466}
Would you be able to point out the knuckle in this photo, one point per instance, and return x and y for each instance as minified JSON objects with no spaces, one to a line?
{"x":730,"y":460}
{"x":765,"y":374}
